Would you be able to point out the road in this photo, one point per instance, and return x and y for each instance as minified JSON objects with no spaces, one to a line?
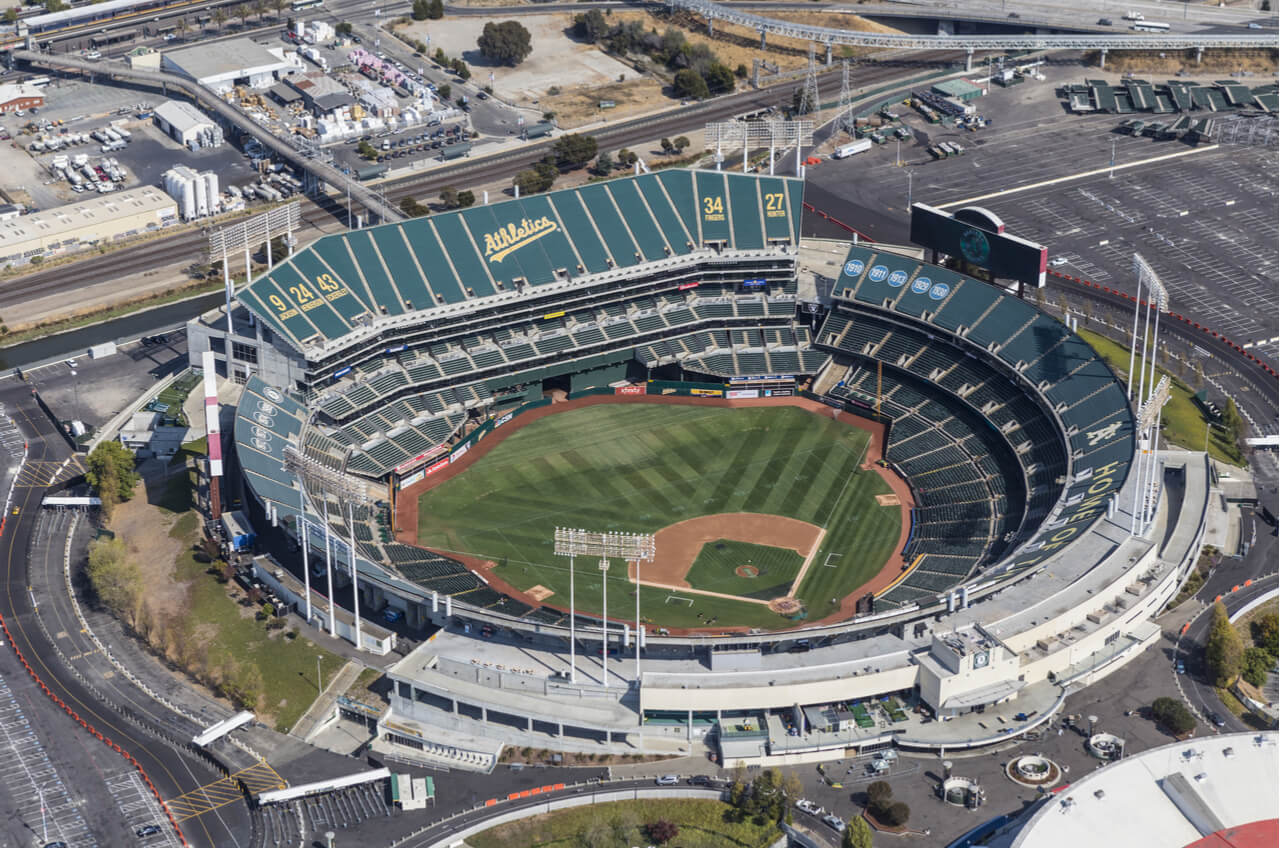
{"x":172,"y":773}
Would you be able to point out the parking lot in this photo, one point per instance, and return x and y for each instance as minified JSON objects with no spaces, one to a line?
{"x":1205,"y":221}
{"x":142,"y":813}
{"x":38,"y":799}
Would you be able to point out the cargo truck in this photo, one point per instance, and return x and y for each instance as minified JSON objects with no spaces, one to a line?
{"x":846,"y":150}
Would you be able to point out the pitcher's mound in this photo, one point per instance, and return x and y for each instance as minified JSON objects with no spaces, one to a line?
{"x":888,"y":500}
{"x":785,"y":606}
{"x":539,"y":593}
{"x":747,"y":571}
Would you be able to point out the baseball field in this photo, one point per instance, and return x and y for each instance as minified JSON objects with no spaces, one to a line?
{"x":763,"y":516}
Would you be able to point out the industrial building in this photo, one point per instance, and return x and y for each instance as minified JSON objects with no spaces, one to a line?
{"x":187,"y":125}
{"x":85,"y":223}
{"x":222,"y":66}
{"x":196,"y":193}
{"x":321,"y":94}
{"x":19,"y":96}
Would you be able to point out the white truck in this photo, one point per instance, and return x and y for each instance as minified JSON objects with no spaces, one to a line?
{"x":847,"y":150}
{"x":1134,"y":16}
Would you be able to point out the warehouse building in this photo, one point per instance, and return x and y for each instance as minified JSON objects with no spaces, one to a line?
{"x":187,"y":125}
{"x":19,"y":96}
{"x":321,"y":94}
{"x":959,"y":89}
{"x":222,"y":66}
{"x":101,"y":220}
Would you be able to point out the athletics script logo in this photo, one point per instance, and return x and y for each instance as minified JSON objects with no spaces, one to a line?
{"x":498,"y":245}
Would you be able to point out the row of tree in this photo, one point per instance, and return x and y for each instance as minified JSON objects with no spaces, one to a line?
{"x":428,"y":10}
{"x":699,"y":73}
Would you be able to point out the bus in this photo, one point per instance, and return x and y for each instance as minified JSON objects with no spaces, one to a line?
{"x":110,"y":37}
{"x":299,"y":5}
{"x":1150,"y":26}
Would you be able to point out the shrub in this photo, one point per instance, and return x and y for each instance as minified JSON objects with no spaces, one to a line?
{"x":879,"y":792}
{"x":1255,"y":665}
{"x":507,"y":42}
{"x":895,"y":814}
{"x":1172,"y":715}
{"x":662,"y":831}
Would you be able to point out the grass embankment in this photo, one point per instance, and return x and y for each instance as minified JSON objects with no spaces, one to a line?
{"x":639,"y":468}
{"x":703,"y":824}
{"x":1183,"y":424}
{"x":224,"y":638}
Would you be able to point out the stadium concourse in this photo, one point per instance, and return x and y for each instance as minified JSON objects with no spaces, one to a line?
{"x":376,"y":358}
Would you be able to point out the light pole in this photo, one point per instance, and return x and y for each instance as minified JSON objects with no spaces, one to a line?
{"x":319,"y":679}
{"x":910,"y":174}
{"x":1112,"y":174}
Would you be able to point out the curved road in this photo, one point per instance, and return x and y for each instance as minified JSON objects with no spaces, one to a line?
{"x":172,"y":773}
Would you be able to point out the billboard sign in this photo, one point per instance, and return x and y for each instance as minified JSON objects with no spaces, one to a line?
{"x":629,"y":390}
{"x":742,"y":393}
{"x":976,"y":238}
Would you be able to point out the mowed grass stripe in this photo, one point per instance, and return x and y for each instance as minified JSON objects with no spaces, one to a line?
{"x":640,"y":469}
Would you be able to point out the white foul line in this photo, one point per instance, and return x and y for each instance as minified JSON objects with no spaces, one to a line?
{"x":1078,"y":176}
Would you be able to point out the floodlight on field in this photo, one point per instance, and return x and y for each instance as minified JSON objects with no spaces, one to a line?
{"x":628,"y":547}
{"x":774,"y":134}
{"x":1159,"y":294}
{"x":1146,"y":493}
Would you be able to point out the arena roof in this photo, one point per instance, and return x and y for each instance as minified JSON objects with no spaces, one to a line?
{"x":1175,"y":795}
{"x":349,"y":281}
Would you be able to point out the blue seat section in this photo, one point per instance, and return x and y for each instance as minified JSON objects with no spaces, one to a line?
{"x":444,"y":284}
{"x":464,"y":253}
{"x":644,"y":230}
{"x":713,"y":206}
{"x":666,"y":216}
{"x":555,"y":246}
{"x":577,"y":223}
{"x":600,"y":206}
{"x":366,"y":254}
{"x":748,"y":212}
{"x":402,"y":267}
{"x":996,"y":326}
{"x":679,"y":187}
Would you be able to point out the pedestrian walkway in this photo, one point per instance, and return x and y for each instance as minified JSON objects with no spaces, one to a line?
{"x":322,"y":707}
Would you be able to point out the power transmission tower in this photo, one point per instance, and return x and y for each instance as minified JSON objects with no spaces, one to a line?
{"x":845,"y":121}
{"x":809,"y":95}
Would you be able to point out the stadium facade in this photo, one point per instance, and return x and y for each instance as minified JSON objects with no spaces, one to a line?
{"x":383,"y":355}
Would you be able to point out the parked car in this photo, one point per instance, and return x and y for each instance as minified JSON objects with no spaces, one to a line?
{"x":667,"y":780}
{"x":700,"y":780}
{"x":834,"y":822}
{"x":809,"y":807}
{"x":1058,"y":262}
{"x":1216,"y":720}
{"x":148,"y":830}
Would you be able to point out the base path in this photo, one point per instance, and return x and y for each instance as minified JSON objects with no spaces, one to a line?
{"x":676,"y":546}
{"x":406,"y":503}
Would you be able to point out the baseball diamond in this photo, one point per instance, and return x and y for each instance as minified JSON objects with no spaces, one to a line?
{"x":763,"y":478}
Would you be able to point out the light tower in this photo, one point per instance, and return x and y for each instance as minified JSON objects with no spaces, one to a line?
{"x":629,"y":547}
{"x":809,"y":94}
{"x":845,"y":121}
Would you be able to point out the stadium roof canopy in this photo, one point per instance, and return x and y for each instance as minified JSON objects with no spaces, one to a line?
{"x":490,"y":254}
{"x":1216,"y":791}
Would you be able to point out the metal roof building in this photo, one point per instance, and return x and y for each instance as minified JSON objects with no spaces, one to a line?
{"x":223,"y":65}
{"x":101,"y":219}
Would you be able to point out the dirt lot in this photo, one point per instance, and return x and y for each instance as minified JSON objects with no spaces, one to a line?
{"x":1251,"y":62}
{"x":145,"y":529}
{"x":556,"y":60}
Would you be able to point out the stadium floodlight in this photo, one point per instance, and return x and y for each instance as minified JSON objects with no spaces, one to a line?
{"x":1157,"y":292}
{"x":629,"y":547}
{"x":347,"y":490}
{"x":773,"y":134}
{"x":1149,"y":416}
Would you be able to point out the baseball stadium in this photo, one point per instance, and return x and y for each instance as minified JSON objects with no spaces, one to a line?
{"x":862,"y":479}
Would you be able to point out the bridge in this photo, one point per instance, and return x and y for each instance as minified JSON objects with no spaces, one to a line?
{"x":828,"y":36}
{"x":319,"y":172}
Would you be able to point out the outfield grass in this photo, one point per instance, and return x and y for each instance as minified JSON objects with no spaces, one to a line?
{"x":1182,"y":423}
{"x":703,"y":824}
{"x":640,"y":468}
{"x":715,"y":569}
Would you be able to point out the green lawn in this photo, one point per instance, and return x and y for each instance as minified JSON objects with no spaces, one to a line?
{"x":640,"y":468}
{"x":703,"y":824}
{"x":1182,"y":424}
{"x":715,"y":569}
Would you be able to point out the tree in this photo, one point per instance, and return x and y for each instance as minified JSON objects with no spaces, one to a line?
{"x":792,"y":787}
{"x":460,"y":68}
{"x":680,"y":142}
{"x":879,"y":792}
{"x":591,"y":27}
{"x":1173,"y":715}
{"x":110,"y":473}
{"x":741,"y":71}
{"x":894,"y":814}
{"x":435,"y":10}
{"x":280,"y":5}
{"x":11,"y":15}
{"x":449,"y":197}
{"x":367,"y":150}
{"x":466,"y":198}
{"x":243,"y":12}
{"x":857,"y":834}
{"x":343,"y":28}
{"x":529,"y":182}
{"x":260,"y":8}
{"x":507,"y":43}
{"x":627,"y":158}
{"x":412,"y":208}
{"x":719,"y":78}
{"x":219,"y":17}
{"x":54,"y":5}
{"x":667,"y":146}
{"x":1255,"y":665}
{"x":1265,"y":630}
{"x":441,"y":59}
{"x":1224,"y":650}
{"x":662,"y":831}
{"x":115,"y":579}
{"x":574,"y":150}
{"x":604,"y":164}
{"x":688,"y":83}
{"x":444,"y":91}
{"x":421,"y":10}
